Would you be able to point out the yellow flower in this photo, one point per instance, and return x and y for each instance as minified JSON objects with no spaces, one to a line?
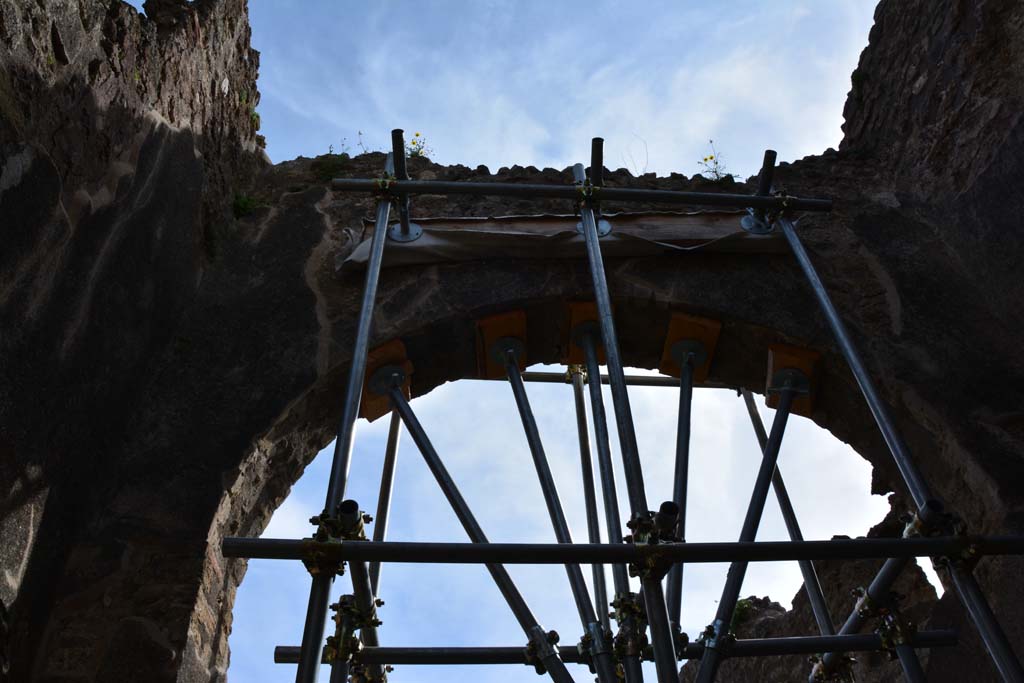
{"x":711,"y":157}
{"x":416,"y":135}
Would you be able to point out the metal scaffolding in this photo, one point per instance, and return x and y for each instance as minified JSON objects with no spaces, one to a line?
{"x":655,"y":551}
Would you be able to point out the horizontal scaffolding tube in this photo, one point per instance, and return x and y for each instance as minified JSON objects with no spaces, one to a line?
{"x":589,"y":553}
{"x":631,"y":380}
{"x":753,"y":647}
{"x":532,"y":190}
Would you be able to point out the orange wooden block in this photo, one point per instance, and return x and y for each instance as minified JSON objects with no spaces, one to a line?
{"x":683,"y":327}
{"x":488,"y":331}
{"x":391,"y":353}
{"x":783,"y":356}
{"x":578,"y":312}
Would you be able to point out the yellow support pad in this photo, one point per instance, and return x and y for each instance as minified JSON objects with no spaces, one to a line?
{"x":391,"y":353}
{"x":488,"y":331}
{"x":782,"y":356}
{"x":682,"y":327}
{"x":577,"y":312}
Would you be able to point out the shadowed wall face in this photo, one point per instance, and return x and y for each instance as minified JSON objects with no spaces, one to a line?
{"x":170,"y":368}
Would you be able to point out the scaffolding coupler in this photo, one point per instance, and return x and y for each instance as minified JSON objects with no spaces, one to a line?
{"x":631,"y":638}
{"x":542,"y":645}
{"x":594,"y":642}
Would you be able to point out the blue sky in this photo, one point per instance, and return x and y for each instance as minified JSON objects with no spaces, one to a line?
{"x":476,"y":430}
{"x":529,"y":83}
{"x":501,"y":83}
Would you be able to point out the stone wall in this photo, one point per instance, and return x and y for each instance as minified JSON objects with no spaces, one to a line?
{"x":167,"y":369}
{"x":121,"y":141}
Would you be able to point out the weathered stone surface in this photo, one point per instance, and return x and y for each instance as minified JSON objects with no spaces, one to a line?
{"x":120,"y":153}
{"x":167,"y":370}
{"x":769,"y":620}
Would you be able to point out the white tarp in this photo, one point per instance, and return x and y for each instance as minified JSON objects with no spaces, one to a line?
{"x":556,"y":236}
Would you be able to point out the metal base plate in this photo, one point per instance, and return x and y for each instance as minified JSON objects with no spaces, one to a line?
{"x":500,"y":349}
{"x":395,"y":232}
{"x":791,"y":378}
{"x":755,"y":225}
{"x":386,"y":377}
{"x":686,"y":347}
{"x":591,"y":327}
{"x":604,"y":228}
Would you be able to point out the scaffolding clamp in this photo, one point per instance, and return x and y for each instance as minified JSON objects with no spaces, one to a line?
{"x":346,"y":524}
{"x":865,"y":606}
{"x":631,"y":638}
{"x":542,"y":645}
{"x":573,"y":369}
{"x":316,"y":556}
{"x":383,"y":185}
{"x":649,"y":530}
{"x":942,"y":523}
{"x":894,"y":630}
{"x":718,"y":636}
{"x":595,"y":641}
{"x":841,"y":673}
{"x":344,"y":644}
{"x":360,"y":673}
{"x":682,"y":641}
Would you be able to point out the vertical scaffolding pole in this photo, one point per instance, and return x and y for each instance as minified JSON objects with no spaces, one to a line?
{"x":912,"y":670}
{"x":811,"y":584}
{"x":601,"y":654}
{"x":545,"y":650}
{"x":662,"y":638}
{"x":387,"y":482}
{"x":713,"y":646}
{"x":319,"y":594}
{"x":620,"y":575}
{"x":366,"y":601}
{"x":674,"y":590}
{"x":929,"y":510}
{"x":616,"y":376}
{"x":631,"y":662}
{"x":589,"y":493}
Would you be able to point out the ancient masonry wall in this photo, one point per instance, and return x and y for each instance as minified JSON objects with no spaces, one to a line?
{"x":168,"y":368}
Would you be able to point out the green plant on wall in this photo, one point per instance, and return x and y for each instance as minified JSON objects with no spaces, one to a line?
{"x":417,"y":147}
{"x":329,"y":166}
{"x":744,"y":610}
{"x":244,"y":204}
{"x":712,"y":166}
